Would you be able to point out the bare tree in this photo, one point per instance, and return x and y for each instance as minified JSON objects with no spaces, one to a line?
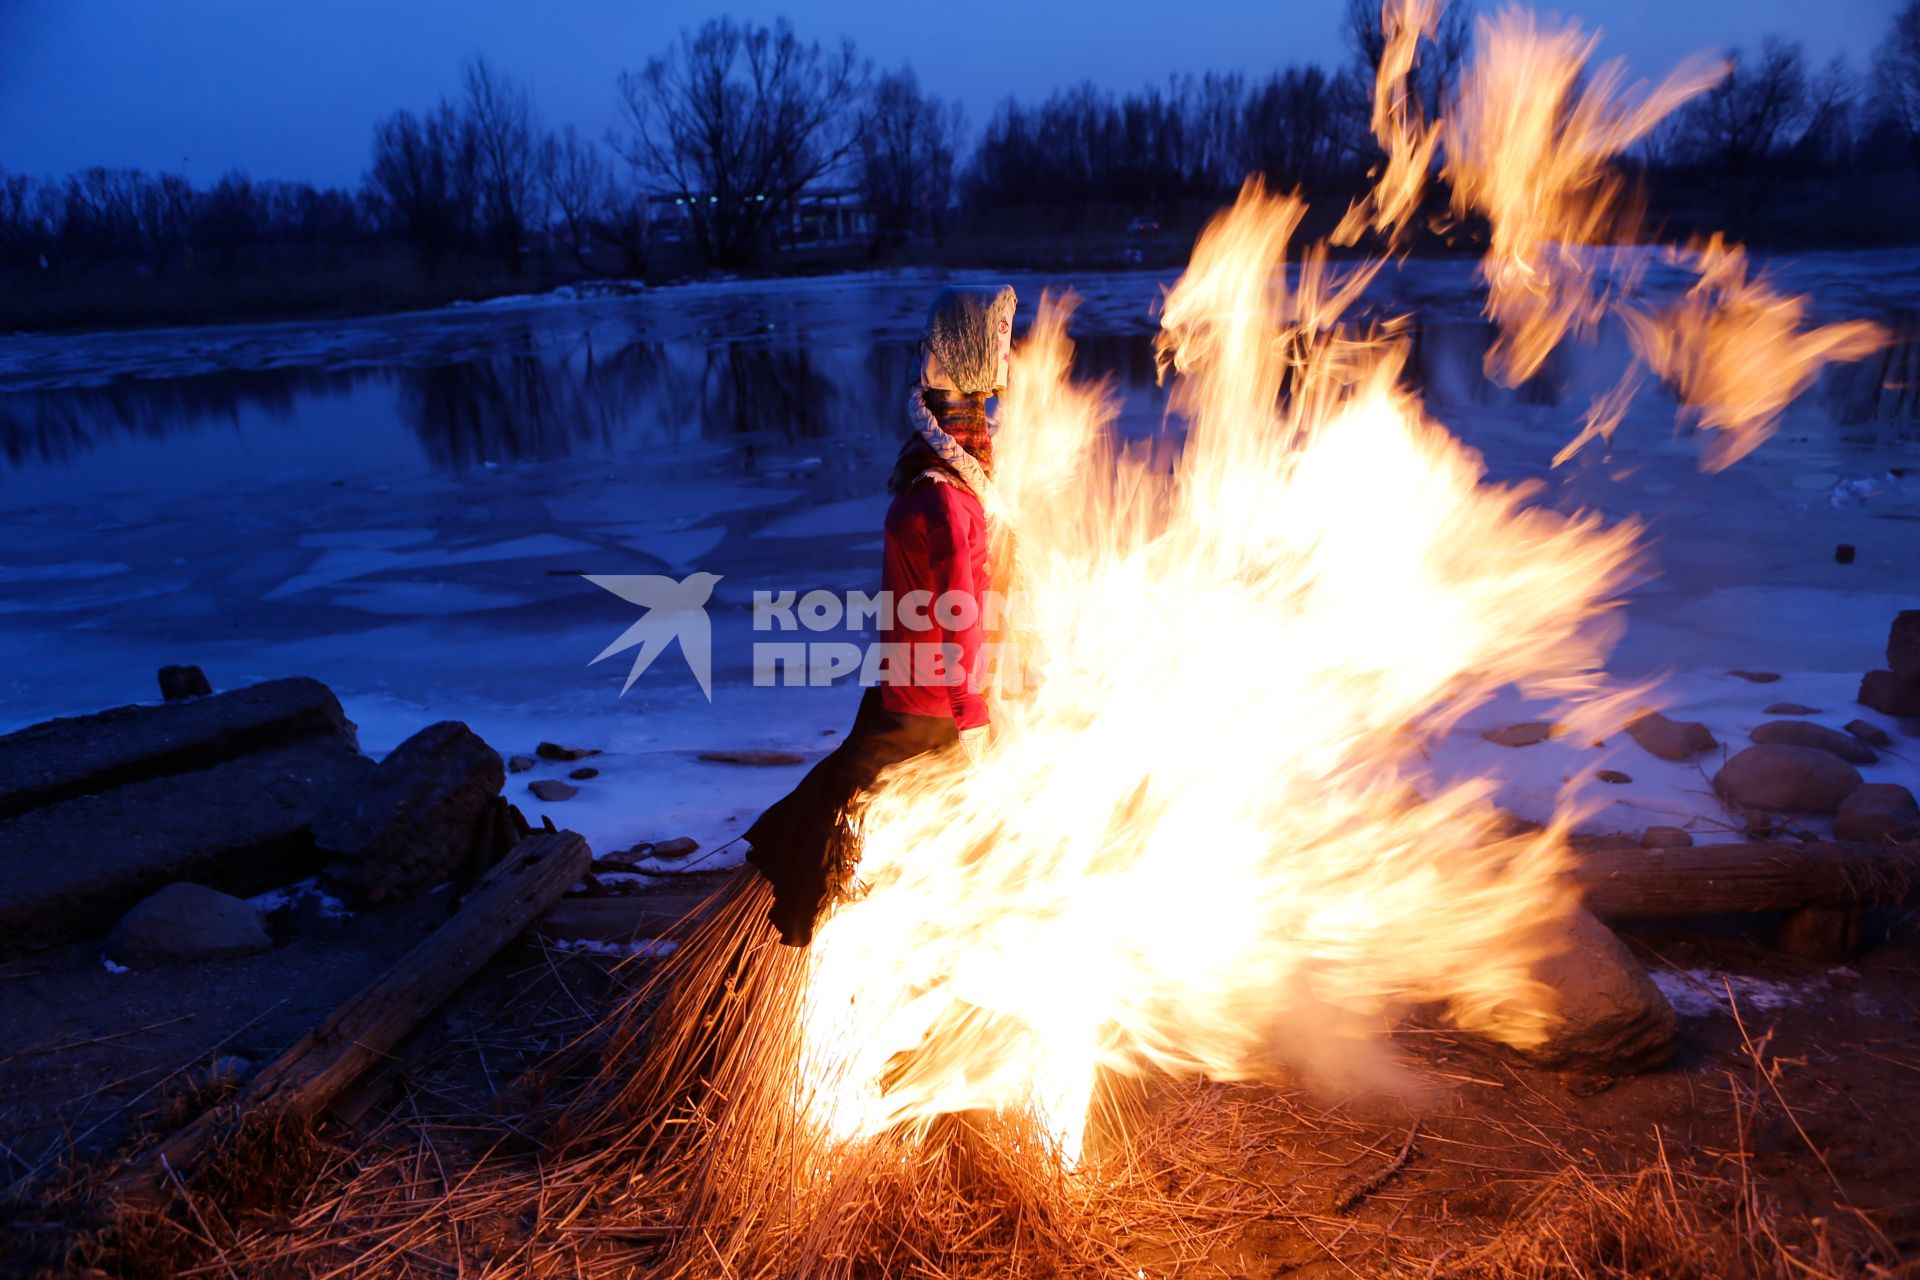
{"x":1832,"y":121}
{"x":1441,"y":57}
{"x":499,"y":120}
{"x":907,"y":145}
{"x":1084,"y":147}
{"x":736,"y":121}
{"x":125,"y":215}
{"x":1214,"y":107}
{"x":421,"y":181}
{"x":25,"y":227}
{"x":576,"y":178}
{"x":623,"y":215}
{"x":1741,"y":130}
{"x":1305,"y":128}
{"x":1896,"y":74}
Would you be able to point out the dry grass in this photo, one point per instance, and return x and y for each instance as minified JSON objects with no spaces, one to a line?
{"x":1657,"y":1224}
{"x":660,"y":1143}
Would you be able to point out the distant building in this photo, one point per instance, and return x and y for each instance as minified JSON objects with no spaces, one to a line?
{"x":823,"y":217}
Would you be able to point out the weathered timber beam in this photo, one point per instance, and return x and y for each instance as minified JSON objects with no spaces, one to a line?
{"x":1739,"y":879}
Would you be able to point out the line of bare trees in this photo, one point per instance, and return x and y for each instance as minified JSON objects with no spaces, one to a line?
{"x":733,"y":122}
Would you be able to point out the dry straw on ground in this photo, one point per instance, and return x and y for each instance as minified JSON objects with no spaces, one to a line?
{"x":661,"y":1143}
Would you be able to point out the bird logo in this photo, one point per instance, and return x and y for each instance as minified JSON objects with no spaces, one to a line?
{"x":674,"y":611}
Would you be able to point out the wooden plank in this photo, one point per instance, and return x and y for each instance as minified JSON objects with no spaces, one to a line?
{"x":1738,"y":879}
{"x":302,"y":1081}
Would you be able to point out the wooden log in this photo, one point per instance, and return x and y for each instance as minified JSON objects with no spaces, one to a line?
{"x":60,"y":759}
{"x":242,"y":826}
{"x":1738,"y":879}
{"x":1827,"y":934}
{"x":298,"y":1084}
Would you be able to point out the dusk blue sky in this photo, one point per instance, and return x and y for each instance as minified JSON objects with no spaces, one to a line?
{"x":291,"y":88}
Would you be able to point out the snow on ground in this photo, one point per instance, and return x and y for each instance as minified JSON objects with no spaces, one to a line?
{"x":301,"y":893}
{"x":1702,"y":993}
{"x":429,"y":565}
{"x":652,"y":948}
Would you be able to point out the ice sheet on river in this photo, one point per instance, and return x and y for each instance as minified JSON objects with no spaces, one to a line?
{"x":423,"y":584}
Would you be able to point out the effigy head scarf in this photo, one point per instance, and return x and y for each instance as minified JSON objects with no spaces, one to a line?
{"x":963,"y":332}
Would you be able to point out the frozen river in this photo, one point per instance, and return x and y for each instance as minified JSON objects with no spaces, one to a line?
{"x":403,"y":507}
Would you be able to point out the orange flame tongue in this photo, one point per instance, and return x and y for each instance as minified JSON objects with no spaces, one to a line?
{"x":1529,"y":141}
{"x":1736,"y":351}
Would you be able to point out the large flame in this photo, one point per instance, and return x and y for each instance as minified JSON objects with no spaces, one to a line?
{"x":1191,"y":846}
{"x":1195,"y":844}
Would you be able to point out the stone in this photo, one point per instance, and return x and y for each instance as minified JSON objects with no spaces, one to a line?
{"x":1665,"y":838}
{"x":554,"y":751}
{"x":415,"y":821}
{"x":1756,"y":677}
{"x":80,"y":755}
{"x":520,"y":764}
{"x":754,"y":757}
{"x":627,"y":857}
{"x":1889,"y":693}
{"x":678,"y":847}
{"x":1521,"y":735}
{"x":1671,"y":739}
{"x":552,"y":790}
{"x":1610,"y":1018}
{"x":1784,"y":778}
{"x":1799,"y":733}
{"x":1614,"y":777}
{"x":1875,"y":813}
{"x":583,"y":775}
{"x":187,"y":922}
{"x":1903,"y":645}
{"x":1868,"y":732}
{"x":177,"y":684}
{"x":242,"y":826}
{"x":1790,"y":709}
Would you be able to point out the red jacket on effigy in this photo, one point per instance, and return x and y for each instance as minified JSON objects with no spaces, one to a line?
{"x":936,"y":543}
